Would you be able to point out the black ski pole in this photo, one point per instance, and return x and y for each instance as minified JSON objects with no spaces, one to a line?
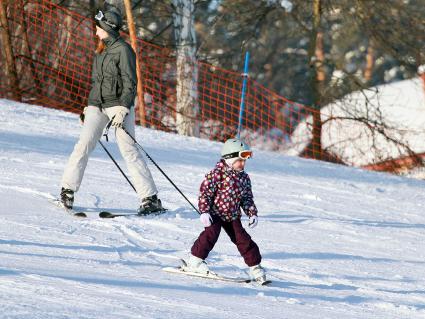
{"x":163,"y":173}
{"x":116,"y":164}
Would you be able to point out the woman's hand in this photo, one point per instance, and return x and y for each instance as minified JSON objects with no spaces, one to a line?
{"x":83,"y":116}
{"x":119,"y":117}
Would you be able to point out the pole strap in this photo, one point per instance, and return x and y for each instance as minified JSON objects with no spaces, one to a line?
{"x":105,"y":134}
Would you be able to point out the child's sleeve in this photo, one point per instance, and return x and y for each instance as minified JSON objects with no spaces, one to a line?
{"x":247,"y":202}
{"x":207,"y":192}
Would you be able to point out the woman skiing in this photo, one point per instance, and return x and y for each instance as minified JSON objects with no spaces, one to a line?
{"x":111,"y":99}
{"x":225,"y":190}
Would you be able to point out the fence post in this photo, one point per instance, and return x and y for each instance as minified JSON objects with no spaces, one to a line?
{"x":133,"y":40}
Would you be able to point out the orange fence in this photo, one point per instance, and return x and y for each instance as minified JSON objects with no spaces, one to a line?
{"x":53,"y":50}
{"x":54,"y":47}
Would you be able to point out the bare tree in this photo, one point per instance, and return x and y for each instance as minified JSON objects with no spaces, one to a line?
{"x":370,"y":62}
{"x":186,"y":68}
{"x":317,"y":76}
{"x":11,"y":73}
{"x":366,"y":130}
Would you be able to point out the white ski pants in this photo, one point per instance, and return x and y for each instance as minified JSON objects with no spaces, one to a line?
{"x":94,"y":123}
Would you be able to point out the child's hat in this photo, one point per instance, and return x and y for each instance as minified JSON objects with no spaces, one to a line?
{"x":235,"y":148}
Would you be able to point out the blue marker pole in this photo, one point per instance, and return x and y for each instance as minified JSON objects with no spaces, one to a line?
{"x":242,"y":105}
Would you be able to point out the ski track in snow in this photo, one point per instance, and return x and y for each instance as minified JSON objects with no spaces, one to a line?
{"x":337,"y":242}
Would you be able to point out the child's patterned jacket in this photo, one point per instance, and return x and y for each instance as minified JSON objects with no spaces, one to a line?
{"x":224,"y":191}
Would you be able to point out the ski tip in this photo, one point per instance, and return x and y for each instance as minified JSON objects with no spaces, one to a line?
{"x":154,"y":213}
{"x":265,"y":283}
{"x":105,"y":214}
{"x":108,"y":215}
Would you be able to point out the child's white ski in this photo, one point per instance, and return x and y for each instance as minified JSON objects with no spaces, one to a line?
{"x":209,"y":275}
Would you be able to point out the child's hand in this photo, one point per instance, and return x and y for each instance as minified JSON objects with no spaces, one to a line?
{"x":253,"y":221}
{"x":206,"y":219}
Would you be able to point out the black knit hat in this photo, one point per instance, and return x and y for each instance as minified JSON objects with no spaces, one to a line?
{"x":110,"y":20}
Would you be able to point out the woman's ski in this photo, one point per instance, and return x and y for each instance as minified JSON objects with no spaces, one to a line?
{"x":70,"y":211}
{"x":106,"y":214}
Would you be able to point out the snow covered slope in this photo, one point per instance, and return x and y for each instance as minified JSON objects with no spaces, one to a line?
{"x":337,"y":242}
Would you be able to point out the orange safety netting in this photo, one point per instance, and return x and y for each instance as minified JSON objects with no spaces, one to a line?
{"x":54,"y":47}
{"x":53,"y":50}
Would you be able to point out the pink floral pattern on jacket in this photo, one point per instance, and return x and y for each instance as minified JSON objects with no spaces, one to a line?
{"x":224,"y":191}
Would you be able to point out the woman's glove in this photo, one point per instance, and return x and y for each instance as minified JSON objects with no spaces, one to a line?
{"x":82,"y":116}
{"x":206,"y":219}
{"x":253,"y":221}
{"x":119,"y":117}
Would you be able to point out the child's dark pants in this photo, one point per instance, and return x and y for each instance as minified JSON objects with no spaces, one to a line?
{"x":238,"y":235}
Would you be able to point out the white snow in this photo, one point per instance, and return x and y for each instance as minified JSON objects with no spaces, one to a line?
{"x":337,"y":242}
{"x":400,"y":105}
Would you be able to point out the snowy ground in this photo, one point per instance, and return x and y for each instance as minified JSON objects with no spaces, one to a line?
{"x":337,"y":242}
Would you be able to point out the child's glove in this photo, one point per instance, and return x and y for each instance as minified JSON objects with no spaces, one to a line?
{"x":206,"y":219}
{"x":253,"y":221}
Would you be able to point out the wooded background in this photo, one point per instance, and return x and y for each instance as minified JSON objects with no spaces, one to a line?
{"x":311,"y":52}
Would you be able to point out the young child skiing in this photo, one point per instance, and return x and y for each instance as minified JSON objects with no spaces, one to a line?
{"x":225,"y":190}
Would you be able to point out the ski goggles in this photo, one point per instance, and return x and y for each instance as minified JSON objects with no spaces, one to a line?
{"x":241,"y":154}
{"x":100,"y":16}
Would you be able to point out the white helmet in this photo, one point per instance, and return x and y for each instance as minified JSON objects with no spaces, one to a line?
{"x":236,"y":148}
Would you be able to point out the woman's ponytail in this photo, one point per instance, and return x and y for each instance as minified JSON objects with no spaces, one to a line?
{"x":100,"y":47}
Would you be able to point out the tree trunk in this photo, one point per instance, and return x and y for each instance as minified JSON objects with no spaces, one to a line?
{"x":116,"y":3}
{"x":93,"y":7}
{"x":187,"y":68}
{"x":317,"y":79}
{"x":421,"y":72}
{"x":10,"y":71}
{"x":133,"y":40}
{"x":27,"y":50}
{"x":370,"y":61}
